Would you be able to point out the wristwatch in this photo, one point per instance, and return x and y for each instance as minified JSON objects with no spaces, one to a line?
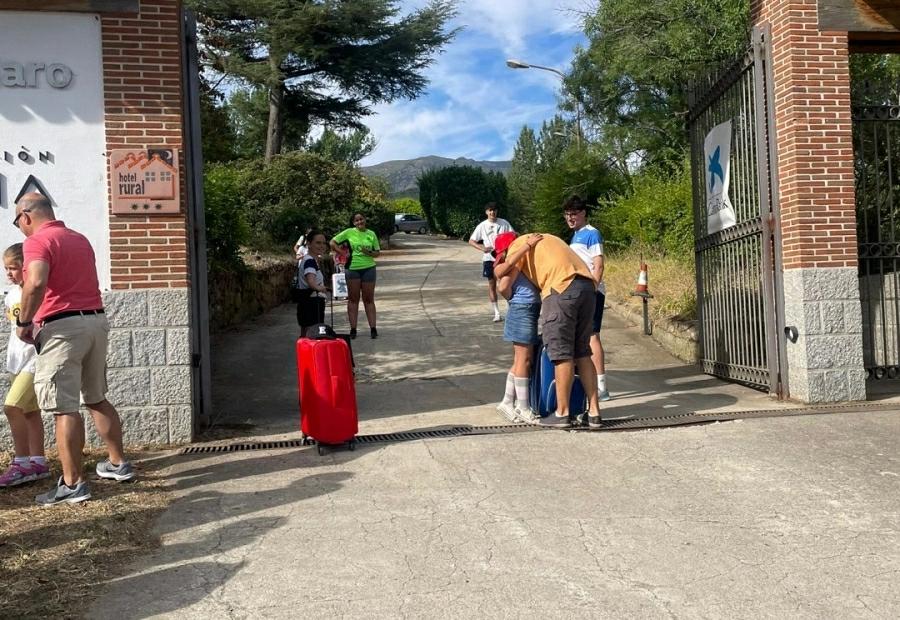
{"x":25,"y":324}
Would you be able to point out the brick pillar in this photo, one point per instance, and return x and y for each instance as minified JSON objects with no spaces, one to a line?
{"x":814,"y":159}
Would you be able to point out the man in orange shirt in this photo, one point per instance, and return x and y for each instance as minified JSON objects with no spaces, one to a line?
{"x":567,"y":313}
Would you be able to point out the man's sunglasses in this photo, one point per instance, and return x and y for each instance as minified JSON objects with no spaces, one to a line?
{"x":16,"y":221}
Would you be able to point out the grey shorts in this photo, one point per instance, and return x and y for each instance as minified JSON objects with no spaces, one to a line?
{"x":567,"y":319}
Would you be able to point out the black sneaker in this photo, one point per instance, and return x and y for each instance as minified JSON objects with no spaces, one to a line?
{"x":62,"y":494}
{"x":555,"y":421}
{"x":352,"y":333}
{"x":595,"y":421}
{"x":374,"y":333}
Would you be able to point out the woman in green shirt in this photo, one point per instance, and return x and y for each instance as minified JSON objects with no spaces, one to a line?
{"x":360,"y":271}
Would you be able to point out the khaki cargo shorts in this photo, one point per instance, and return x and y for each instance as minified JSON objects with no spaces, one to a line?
{"x":71,"y":364}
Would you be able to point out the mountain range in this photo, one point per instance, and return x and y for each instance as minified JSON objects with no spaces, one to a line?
{"x":401,"y":174}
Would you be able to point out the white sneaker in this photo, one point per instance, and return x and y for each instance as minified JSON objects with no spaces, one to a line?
{"x":507,"y":410}
{"x":497,"y":318}
{"x":526,"y":415}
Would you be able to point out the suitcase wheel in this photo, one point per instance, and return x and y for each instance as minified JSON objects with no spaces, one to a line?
{"x":321,"y":449}
{"x":352,"y":445}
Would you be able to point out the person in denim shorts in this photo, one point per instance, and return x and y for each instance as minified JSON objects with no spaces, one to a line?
{"x":521,"y":329}
{"x":62,"y":294}
{"x":568,"y":297}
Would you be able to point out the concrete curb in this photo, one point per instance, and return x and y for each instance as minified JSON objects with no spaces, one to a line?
{"x":679,"y":338}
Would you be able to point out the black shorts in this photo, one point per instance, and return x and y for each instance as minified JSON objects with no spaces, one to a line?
{"x":598,"y":312}
{"x":310,"y":310}
{"x":363,"y":275}
{"x":487,"y":269}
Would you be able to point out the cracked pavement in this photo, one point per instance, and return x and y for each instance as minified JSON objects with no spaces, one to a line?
{"x":774,"y":518}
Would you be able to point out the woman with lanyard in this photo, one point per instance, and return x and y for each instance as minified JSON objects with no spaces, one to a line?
{"x":360,"y":271}
{"x":311,"y":308}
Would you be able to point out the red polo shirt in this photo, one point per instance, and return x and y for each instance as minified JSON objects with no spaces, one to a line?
{"x":72,"y":283}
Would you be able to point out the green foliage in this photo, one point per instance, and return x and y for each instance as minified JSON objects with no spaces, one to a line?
{"x":633,"y":75}
{"x":323,"y":62}
{"x":658,"y":210}
{"x":453,"y":198}
{"x":226,"y":216}
{"x":349,"y":147}
{"x":248,"y":111}
{"x":408,"y":205}
{"x":578,"y":171}
{"x":216,"y":135}
{"x":522,"y":180}
{"x":301,"y":190}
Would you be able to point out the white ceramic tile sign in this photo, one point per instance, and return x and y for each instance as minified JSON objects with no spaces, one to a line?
{"x":52,"y":136}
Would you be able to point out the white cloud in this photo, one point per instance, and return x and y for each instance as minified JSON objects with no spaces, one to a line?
{"x":475,"y":105}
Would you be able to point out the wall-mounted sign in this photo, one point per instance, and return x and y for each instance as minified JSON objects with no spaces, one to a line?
{"x":52,"y":131}
{"x":144,"y":181}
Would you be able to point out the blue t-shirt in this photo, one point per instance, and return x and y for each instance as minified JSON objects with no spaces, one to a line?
{"x":588,"y":243}
{"x":524,"y":291}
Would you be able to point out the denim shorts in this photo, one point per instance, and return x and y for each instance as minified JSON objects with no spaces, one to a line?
{"x":521,"y":323}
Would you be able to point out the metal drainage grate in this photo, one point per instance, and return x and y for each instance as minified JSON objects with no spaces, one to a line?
{"x":676,"y":419}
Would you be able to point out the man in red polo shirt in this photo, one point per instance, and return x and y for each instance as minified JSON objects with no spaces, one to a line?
{"x":61,"y":294}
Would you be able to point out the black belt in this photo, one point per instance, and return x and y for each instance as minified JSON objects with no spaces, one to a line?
{"x":68,"y":313}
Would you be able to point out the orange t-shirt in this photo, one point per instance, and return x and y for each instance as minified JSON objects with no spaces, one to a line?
{"x":551,"y":265}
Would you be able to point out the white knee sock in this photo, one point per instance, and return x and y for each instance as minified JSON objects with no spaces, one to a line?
{"x":509,"y":396}
{"x":495,"y":307}
{"x":522,"y":399}
{"x":601,"y":384}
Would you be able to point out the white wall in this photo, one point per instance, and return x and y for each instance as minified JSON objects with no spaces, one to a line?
{"x":65,"y":121}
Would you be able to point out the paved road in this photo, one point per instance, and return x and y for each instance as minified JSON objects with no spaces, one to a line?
{"x":781,"y":518}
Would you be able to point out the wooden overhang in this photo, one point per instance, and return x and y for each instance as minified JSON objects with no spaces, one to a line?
{"x":872,"y":26}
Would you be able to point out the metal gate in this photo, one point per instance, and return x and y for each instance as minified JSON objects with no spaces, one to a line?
{"x":736,"y":267}
{"x":876,"y":155}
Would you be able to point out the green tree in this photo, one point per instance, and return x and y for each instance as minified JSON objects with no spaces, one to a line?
{"x":349,"y":147}
{"x":633,"y":75}
{"x":216,"y":135}
{"x":248,"y":111}
{"x":522,"y":179}
{"x":453,"y":198}
{"x":408,"y":205}
{"x":578,"y":171}
{"x":325,"y":61}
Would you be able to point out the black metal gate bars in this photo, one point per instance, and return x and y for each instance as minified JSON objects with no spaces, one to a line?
{"x":736,"y":300}
{"x":876,"y":154}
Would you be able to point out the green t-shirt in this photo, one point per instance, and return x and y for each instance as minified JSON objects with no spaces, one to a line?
{"x":359,"y":240}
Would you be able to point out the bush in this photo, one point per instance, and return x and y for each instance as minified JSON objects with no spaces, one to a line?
{"x":408,"y":205}
{"x":657,"y":214}
{"x":226,"y":216}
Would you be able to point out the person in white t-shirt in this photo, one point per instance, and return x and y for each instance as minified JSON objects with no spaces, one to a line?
{"x":482,"y":239}
{"x":21,"y":407}
{"x":301,"y":248}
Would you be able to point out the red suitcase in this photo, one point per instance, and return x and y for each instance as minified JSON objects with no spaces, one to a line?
{"x":328,"y":411}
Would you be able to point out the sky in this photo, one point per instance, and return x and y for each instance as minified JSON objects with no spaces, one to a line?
{"x":475,"y":106}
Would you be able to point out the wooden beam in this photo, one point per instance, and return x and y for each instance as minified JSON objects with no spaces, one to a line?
{"x":873,"y":43}
{"x":859,"y":15}
{"x":78,"y":6}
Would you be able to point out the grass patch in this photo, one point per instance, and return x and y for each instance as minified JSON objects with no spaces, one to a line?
{"x":54,"y":560}
{"x":671,"y":282}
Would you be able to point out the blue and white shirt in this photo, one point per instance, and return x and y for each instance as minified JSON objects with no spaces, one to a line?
{"x":588,"y":243}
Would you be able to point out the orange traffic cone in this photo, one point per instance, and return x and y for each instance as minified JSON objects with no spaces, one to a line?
{"x":642,"y":281}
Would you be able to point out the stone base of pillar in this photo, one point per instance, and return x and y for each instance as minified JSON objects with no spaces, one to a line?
{"x":825,"y":364}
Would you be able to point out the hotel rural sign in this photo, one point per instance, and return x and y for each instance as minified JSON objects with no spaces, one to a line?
{"x":145,"y":181}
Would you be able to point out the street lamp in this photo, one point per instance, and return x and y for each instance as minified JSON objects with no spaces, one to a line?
{"x":518,"y":64}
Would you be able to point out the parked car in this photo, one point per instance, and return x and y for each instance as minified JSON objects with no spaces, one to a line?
{"x":409,"y":222}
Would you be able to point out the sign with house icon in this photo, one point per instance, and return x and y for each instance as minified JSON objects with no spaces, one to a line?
{"x":144,"y":182}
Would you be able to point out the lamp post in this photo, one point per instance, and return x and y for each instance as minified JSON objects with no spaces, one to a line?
{"x":518,"y":64}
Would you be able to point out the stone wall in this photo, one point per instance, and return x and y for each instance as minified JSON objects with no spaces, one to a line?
{"x":239,"y":295}
{"x":149,"y":362}
{"x":679,"y":338}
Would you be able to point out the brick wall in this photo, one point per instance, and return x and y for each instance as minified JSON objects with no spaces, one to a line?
{"x":814,"y":147}
{"x":143,"y":98}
